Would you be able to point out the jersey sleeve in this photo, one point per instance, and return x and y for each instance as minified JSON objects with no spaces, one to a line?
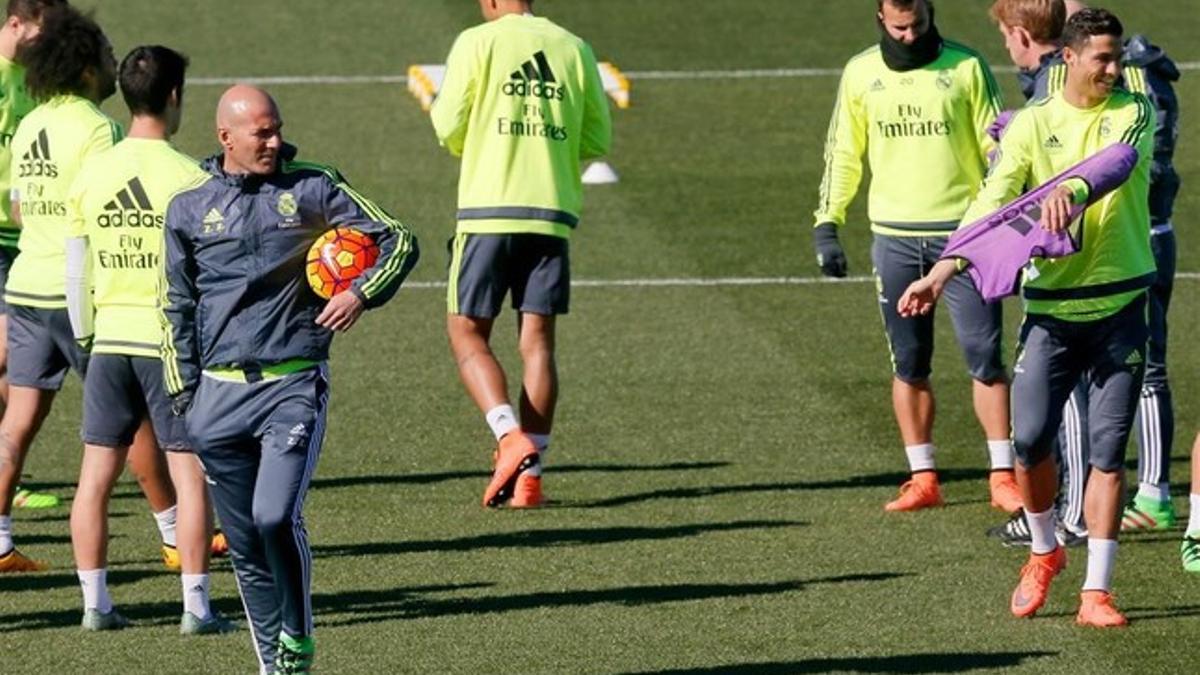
{"x":596,"y":136}
{"x":1138,"y":131}
{"x":398,"y":250}
{"x":177,"y":302}
{"x":451,"y":112}
{"x":1009,"y":172}
{"x":986,"y":104}
{"x":845,"y":144}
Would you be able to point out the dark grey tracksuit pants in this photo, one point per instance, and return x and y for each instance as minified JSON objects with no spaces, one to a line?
{"x":1155,"y":419}
{"x":1108,"y":354}
{"x":259,"y":443}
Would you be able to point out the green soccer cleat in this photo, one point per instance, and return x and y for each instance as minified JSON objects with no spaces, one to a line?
{"x":28,"y":499}
{"x":294,"y":655}
{"x":94,"y":620}
{"x":1143,"y":515}
{"x":215,"y":624}
{"x":1189,"y":551}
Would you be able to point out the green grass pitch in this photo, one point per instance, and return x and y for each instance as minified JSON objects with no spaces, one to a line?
{"x":722,"y":453}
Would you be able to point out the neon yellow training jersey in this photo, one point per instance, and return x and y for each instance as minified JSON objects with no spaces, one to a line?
{"x":522,"y":103}
{"x":1114,"y":263}
{"x":924,"y":133}
{"x":118,"y":202}
{"x":15,"y":104}
{"x":48,"y":149}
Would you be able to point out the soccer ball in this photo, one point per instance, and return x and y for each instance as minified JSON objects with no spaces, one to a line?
{"x":336,"y":259}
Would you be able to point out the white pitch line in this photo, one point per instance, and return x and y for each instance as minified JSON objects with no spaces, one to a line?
{"x":667,"y":75}
{"x":710,"y":282}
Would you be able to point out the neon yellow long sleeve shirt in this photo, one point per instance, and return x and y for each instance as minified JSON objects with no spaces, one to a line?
{"x":522,"y":104}
{"x":923,"y":133}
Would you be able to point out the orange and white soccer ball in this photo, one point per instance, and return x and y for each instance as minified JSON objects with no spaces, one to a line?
{"x":337,"y":258}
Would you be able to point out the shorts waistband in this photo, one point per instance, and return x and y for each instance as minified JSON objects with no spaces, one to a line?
{"x":249,"y":373}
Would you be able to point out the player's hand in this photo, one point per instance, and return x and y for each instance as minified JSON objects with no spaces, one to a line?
{"x":922,"y":295}
{"x":1056,"y":209}
{"x":181,"y":402}
{"x":830,"y":256}
{"x":341,"y":312}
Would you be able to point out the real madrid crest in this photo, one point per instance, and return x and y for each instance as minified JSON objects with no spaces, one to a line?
{"x":286,"y":206}
{"x":944,"y":80}
{"x":1105,"y":126}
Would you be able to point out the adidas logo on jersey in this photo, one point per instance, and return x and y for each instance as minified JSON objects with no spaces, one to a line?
{"x":36,"y":162}
{"x":534,"y":78}
{"x":877,"y":85}
{"x":1052,"y":143}
{"x":130,"y":207}
{"x":213,"y":222}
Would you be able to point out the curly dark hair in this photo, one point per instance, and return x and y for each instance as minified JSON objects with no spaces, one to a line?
{"x":1088,"y":23}
{"x":57,"y":61}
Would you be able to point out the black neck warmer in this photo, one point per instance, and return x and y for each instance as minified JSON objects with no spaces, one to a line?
{"x":901,"y":57}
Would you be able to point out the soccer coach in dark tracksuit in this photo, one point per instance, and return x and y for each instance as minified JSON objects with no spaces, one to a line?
{"x":245,"y":354}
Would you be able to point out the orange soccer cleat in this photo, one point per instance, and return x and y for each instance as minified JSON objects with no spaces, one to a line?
{"x":15,"y":561}
{"x":528,"y":492}
{"x":919,"y":492}
{"x":1030,"y":593}
{"x":1006,"y":496}
{"x":1096,"y":609}
{"x":515,"y":454}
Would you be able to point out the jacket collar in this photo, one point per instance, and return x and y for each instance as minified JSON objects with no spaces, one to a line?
{"x":214,"y":165}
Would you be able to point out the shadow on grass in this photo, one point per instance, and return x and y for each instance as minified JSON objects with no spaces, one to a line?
{"x":51,"y":580}
{"x":358,"y":607}
{"x":1136,"y":614}
{"x":443,"y":476}
{"x":891,"y":479}
{"x":544,"y":538}
{"x":902,"y":663}
{"x":167,"y":613}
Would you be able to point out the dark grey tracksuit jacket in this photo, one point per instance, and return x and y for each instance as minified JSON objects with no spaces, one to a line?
{"x":236,"y":295}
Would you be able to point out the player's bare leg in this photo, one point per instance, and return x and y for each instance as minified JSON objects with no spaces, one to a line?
{"x":98,"y":472}
{"x":4,"y":359}
{"x":914,"y":407}
{"x":484,"y":379}
{"x":539,"y":397}
{"x":23,"y":416}
{"x":992,"y":411}
{"x":149,"y":465}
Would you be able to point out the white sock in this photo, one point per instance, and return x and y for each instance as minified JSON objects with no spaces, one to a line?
{"x":95,"y":590}
{"x":920,"y":457}
{"x":1159,"y":492}
{"x":1001,"y":454}
{"x":502,"y":420}
{"x":166,"y":525}
{"x":6,"y":542}
{"x":1194,"y":515}
{"x":1102,"y":557}
{"x":1041,"y":531}
{"x":195,"y":595}
{"x":542,"y":443}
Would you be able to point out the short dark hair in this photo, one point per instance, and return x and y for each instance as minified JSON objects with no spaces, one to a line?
{"x":55,"y":63}
{"x":1088,"y":23}
{"x":33,"y":10}
{"x":901,"y":4}
{"x":148,"y":75}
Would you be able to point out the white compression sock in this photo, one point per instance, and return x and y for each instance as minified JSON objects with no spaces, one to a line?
{"x":1041,"y":531}
{"x":95,"y":590}
{"x":502,"y":420}
{"x":6,"y":542}
{"x":1194,"y":515}
{"x":1160,"y":492}
{"x":166,"y":525}
{"x":1001,"y":454}
{"x":1102,"y":557}
{"x":195,"y":595}
{"x":920,"y":457}
{"x":542,"y":443}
